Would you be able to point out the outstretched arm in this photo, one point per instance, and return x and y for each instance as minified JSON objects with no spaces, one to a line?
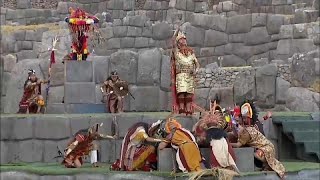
{"x":236,"y":145}
{"x":104,"y":136}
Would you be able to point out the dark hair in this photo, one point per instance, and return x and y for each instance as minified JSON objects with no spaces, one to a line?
{"x":114,"y":73}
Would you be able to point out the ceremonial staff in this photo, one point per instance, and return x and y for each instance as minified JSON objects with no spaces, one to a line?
{"x":52,"y":61}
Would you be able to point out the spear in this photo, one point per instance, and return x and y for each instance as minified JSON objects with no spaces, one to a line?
{"x":52,"y":61}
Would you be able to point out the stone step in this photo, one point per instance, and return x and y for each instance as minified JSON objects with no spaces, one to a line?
{"x":306,"y":136}
{"x":300,"y":125}
{"x":244,"y":158}
{"x":312,"y":147}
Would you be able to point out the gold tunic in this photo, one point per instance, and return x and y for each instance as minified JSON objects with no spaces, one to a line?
{"x":185,"y":69}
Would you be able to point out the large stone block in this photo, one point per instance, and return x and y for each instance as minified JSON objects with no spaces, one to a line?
{"x":50,"y":150}
{"x":5,"y":79}
{"x":288,"y":47}
{"x":134,"y":31}
{"x":127,"y":42}
{"x":245,"y":159}
{"x":215,"y":38}
{"x":6,"y":126}
{"x":31,"y":151}
{"x":4,"y":152}
{"x":85,"y":108}
{"x":126,"y":64}
{"x":57,"y":127}
{"x":15,"y":86}
{"x":22,"y":128}
{"x":108,"y":151}
{"x":244,"y":86}
{"x":56,"y":177}
{"x":149,"y":68}
{"x":266,"y":84}
{"x":239,"y":24}
{"x":79,"y":92}
{"x":161,"y":31}
{"x":274,"y":23}
{"x":9,"y":61}
{"x":146,"y":98}
{"x":100,"y":68}
{"x":18,"y":176}
{"x":165,"y":73}
{"x":286,"y":31}
{"x":123,"y":122}
{"x":26,"y":54}
{"x":282,"y":87}
{"x":56,"y":94}
{"x":232,"y":61}
{"x":238,"y":49}
{"x":201,"y":96}
{"x":300,"y":31}
{"x":141,"y":42}
{"x":78,"y":71}
{"x":302,"y":99}
{"x":55,"y":108}
{"x":225,"y":95}
{"x":259,"y":19}
{"x":90,"y":176}
{"x":257,"y":36}
{"x":195,"y":36}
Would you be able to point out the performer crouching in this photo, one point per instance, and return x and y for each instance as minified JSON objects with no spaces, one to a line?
{"x":82,"y":145}
{"x":188,"y":155}
{"x":136,"y":153}
{"x":264,"y":149}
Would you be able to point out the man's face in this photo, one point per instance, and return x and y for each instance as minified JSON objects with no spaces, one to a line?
{"x":182,"y":42}
{"x":33,"y":77}
{"x":114,"y":77}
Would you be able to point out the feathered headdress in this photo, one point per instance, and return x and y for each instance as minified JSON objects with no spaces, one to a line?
{"x":180,"y":36}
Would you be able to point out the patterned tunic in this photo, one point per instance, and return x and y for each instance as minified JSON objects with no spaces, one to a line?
{"x":184,"y":70}
{"x":252,"y":137}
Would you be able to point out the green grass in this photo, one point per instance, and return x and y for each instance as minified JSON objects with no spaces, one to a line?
{"x":56,"y":169}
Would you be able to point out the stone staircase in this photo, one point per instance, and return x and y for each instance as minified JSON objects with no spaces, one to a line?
{"x":304,"y":133}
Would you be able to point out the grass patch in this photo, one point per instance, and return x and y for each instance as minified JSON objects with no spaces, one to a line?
{"x":6,"y":29}
{"x":56,"y":169}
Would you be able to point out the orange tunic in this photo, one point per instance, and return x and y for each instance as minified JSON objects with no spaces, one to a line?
{"x":188,"y":154}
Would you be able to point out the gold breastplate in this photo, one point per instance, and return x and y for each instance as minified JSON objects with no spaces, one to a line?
{"x":184,"y":64}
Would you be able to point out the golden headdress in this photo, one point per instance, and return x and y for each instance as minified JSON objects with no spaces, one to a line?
{"x":246,"y":110}
{"x":172,"y":123}
{"x":180,"y":36}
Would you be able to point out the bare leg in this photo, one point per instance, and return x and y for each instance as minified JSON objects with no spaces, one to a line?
{"x":77,"y":163}
{"x":112,"y":107}
{"x":181,"y":102}
{"x":120,"y":104}
{"x":189,"y":103}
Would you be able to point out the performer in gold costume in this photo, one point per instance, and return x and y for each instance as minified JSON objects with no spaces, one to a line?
{"x":184,"y":67}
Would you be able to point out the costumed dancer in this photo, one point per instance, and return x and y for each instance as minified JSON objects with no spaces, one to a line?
{"x":184,"y":67}
{"x":188,"y":154}
{"x":80,"y":24}
{"x":32,"y":101}
{"x":211,"y":131}
{"x":137,"y":152}
{"x":82,"y":145}
{"x":264,"y":150}
{"x":112,"y":94}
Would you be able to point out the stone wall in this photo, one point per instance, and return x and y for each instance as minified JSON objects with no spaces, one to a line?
{"x":305,"y":174}
{"x":135,"y":32}
{"x":35,"y":138}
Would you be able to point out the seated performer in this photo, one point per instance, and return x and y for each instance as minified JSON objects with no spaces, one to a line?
{"x":210,"y":130}
{"x":112,"y":94}
{"x":82,"y":145}
{"x":264,"y":150}
{"x":185,"y":66}
{"x":136,"y":154}
{"x":188,"y":155}
{"x":32,"y":100}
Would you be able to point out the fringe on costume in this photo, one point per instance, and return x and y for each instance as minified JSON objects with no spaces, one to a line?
{"x":220,"y":174}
